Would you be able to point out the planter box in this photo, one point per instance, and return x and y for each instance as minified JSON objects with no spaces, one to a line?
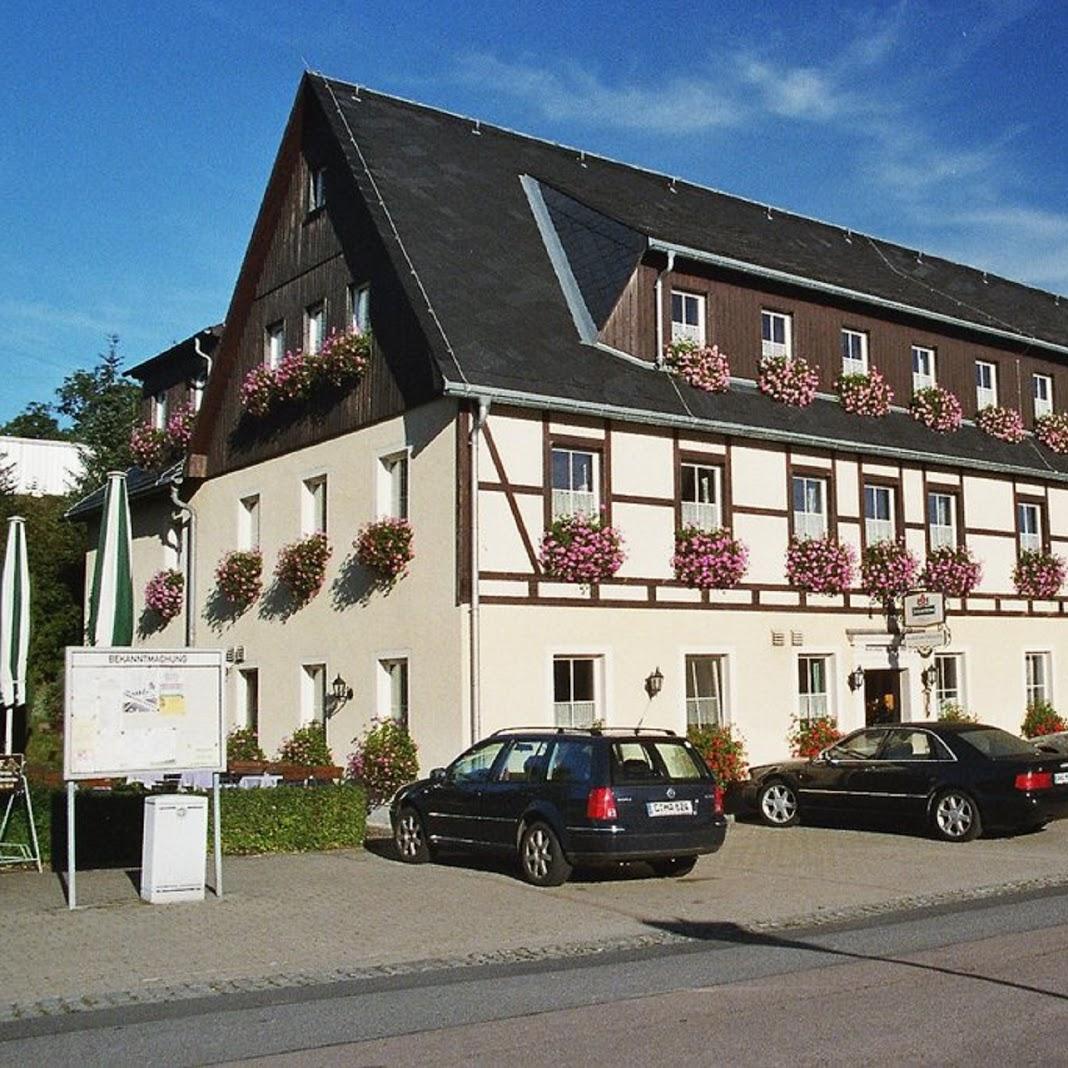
{"x":289,"y":772}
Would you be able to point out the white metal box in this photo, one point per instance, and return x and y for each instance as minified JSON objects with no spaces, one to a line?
{"x":174,"y":848}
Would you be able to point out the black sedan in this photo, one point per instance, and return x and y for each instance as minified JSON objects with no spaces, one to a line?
{"x":955,"y":778}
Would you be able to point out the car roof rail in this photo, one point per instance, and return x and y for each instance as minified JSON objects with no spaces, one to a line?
{"x":614,"y":731}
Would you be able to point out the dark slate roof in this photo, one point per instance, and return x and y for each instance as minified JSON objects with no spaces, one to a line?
{"x":447,"y":196}
{"x":139,"y":484}
{"x":209,"y":340}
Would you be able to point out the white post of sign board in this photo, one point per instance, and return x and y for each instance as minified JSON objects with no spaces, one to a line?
{"x":217,"y":816}
{"x":134,"y":711}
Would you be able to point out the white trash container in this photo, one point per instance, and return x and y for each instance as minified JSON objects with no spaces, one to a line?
{"x":174,"y":848}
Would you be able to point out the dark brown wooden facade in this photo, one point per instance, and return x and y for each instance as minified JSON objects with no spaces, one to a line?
{"x":733,"y":303}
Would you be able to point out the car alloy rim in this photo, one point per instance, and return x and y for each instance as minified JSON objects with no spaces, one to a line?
{"x":409,"y":835}
{"x":779,"y":804}
{"x":537,"y":853}
{"x":954,"y":815}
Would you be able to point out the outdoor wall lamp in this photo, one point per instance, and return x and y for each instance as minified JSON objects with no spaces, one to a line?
{"x":341,"y":690}
{"x":856,"y":678}
{"x":928,"y":677}
{"x":654,"y":683}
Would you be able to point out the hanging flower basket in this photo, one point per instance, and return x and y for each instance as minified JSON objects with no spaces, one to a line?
{"x":1052,"y":431}
{"x":581,"y":548}
{"x":702,"y":366}
{"x":385,"y":547}
{"x":180,"y":426}
{"x":936,"y":408}
{"x":887,"y":570}
{"x":1005,"y":424}
{"x":952,"y":571}
{"x":239,"y":576}
{"x":152,"y":447}
{"x":820,"y":565}
{"x":709,"y":559}
{"x":302,"y":566}
{"x":341,"y":362}
{"x":808,"y":738}
{"x":164,"y":593}
{"x":787,"y":381}
{"x":868,"y":394}
{"x":1038,"y":574}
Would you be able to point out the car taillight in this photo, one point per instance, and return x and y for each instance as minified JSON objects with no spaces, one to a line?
{"x":717,"y":800}
{"x":1034,"y":780}
{"x":601,"y":804}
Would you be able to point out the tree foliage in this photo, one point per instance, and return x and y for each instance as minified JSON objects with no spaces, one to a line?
{"x":36,"y":420}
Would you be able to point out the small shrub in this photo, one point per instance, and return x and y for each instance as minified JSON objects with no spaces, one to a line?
{"x":385,"y":759}
{"x":721,"y":750}
{"x":239,"y":576}
{"x":1041,"y":718}
{"x":243,"y":744}
{"x":302,"y":566}
{"x":809,"y":737}
{"x":581,"y":548}
{"x":306,"y":747}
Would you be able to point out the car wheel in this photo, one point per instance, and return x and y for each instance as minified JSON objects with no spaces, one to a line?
{"x":541,"y":859}
{"x":955,"y":816}
{"x":777,"y":804}
{"x":674,"y":868}
{"x":410,"y":838}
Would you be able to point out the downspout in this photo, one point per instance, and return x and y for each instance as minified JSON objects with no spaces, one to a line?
{"x":475,"y":635}
{"x":207,"y":360}
{"x":660,"y":307}
{"x":189,"y":529}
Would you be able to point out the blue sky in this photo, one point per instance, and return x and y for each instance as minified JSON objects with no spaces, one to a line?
{"x":135,"y":143}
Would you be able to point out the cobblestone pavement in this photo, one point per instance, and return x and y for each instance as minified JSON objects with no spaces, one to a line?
{"x":315,"y":918}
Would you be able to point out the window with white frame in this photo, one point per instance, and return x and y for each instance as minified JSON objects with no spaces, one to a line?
{"x":313,"y":693}
{"x":687,"y":317}
{"x":313,"y":505}
{"x":393,"y":692}
{"x":879,"y":514}
{"x":1029,"y":526}
{"x":854,"y":352}
{"x":700,"y":490}
{"x":249,"y":699}
{"x":159,"y":410}
{"x":813,"y":690}
{"x":314,"y":327}
{"x":575,"y":475}
{"x":393,"y":486}
{"x":1042,"y":390}
{"x":705,"y":693}
{"x":942,"y":519}
{"x":810,"y":507}
{"x":360,"y":308}
{"x":274,"y":343}
{"x":776,"y":334}
{"x":949,"y":680}
{"x":923,"y":368}
{"x":986,"y":384}
{"x":575,"y":686}
{"x":1038,"y":678}
{"x":196,"y":390}
{"x":316,"y":188}
{"x":248,"y":522}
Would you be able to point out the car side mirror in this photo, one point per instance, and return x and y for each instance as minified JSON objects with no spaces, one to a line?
{"x":437,"y":775}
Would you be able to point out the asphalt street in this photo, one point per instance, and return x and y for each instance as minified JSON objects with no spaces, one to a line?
{"x":947,"y":986}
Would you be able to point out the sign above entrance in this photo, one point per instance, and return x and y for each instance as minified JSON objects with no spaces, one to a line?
{"x":924,"y":608}
{"x":929,"y":639}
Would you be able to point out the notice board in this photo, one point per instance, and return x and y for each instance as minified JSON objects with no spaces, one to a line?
{"x":131,"y":711}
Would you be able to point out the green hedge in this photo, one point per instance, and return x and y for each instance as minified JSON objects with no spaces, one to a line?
{"x":281,"y":819}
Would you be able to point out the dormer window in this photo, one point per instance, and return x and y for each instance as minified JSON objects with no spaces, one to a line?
{"x":986,"y":384}
{"x":314,"y":327}
{"x":1042,"y":388}
{"x":196,"y":389}
{"x":274,"y":344}
{"x":316,"y":188}
{"x":360,"y":308}
{"x":159,"y":409}
{"x":776,"y":334}
{"x":687,"y":317}
{"x":854,"y":352}
{"x":923,"y":368}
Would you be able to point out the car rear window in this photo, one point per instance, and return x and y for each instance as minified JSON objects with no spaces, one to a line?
{"x":649,"y":761}
{"x":992,"y":742}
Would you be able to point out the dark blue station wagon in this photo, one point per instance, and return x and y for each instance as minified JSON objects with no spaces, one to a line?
{"x":561,"y":797}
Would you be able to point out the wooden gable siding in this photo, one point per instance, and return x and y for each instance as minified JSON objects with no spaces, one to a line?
{"x":309,"y":258}
{"x":732,"y":317}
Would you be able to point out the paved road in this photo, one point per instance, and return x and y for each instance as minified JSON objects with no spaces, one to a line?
{"x":947,"y":986}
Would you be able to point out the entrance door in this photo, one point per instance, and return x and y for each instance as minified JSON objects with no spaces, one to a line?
{"x":882,"y":696}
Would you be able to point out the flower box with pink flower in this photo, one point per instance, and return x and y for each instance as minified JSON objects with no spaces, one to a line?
{"x":581,"y":548}
{"x":789,"y":381}
{"x":952,"y":570}
{"x":302,"y":566}
{"x":385,"y":548}
{"x":869,"y":394}
{"x":1052,"y":431}
{"x":239,"y":576}
{"x":709,"y":559}
{"x":887,"y":570}
{"x":820,"y":565}
{"x":1038,"y":574}
{"x":1005,"y":424}
{"x":936,"y":408}
{"x":164,"y":593}
{"x":703,"y":366}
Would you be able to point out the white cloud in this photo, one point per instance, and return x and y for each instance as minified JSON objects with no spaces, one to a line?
{"x":795,"y":93}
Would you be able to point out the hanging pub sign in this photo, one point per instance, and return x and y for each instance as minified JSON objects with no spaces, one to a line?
{"x":923,"y":608}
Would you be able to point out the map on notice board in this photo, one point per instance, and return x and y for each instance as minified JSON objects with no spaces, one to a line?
{"x":131,"y":711}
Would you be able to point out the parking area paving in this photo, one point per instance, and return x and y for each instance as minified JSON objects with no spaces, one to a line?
{"x":288,"y":920}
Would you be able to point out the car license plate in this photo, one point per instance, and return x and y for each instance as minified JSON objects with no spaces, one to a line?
{"x":1060,"y":778}
{"x":669,"y":808}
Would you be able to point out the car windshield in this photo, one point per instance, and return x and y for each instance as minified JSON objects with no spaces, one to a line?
{"x":992,"y":742}
{"x":655,"y":762}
